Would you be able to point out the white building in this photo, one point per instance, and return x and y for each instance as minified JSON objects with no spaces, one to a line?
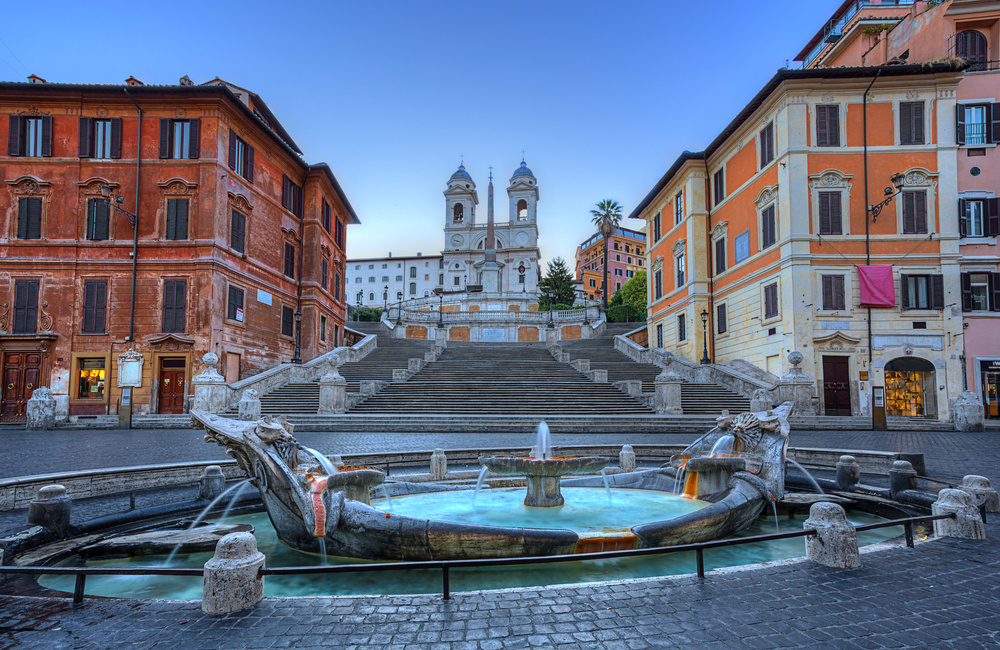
{"x":377,"y":281}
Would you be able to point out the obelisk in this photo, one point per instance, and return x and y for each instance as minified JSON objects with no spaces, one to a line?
{"x":491,"y":270}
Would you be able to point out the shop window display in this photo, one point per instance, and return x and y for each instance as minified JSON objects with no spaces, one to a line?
{"x":909,"y":388}
{"x":91,"y":379}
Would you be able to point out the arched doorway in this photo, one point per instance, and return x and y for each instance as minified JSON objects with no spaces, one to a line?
{"x":910,"y":389}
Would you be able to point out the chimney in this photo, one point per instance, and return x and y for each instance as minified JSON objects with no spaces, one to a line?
{"x":35,"y":79}
{"x":419,"y":254}
{"x":132,"y":81}
{"x":186,"y":81}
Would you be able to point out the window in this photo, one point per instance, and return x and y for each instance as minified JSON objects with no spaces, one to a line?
{"x":399,"y":278}
{"x":339,"y":237}
{"x":95,"y":301}
{"x":336,"y":334}
{"x":441,"y":263}
{"x":357,"y":267}
{"x":290,"y":261}
{"x":98,"y":219}
{"x":681,"y":328}
{"x":911,"y":123}
{"x":238,"y":232}
{"x":656,"y":227}
{"x":830,"y":220}
{"x":922,"y":291}
{"x":29,"y":217}
{"x":771,"y":301}
{"x":972,"y":218}
{"x":371,"y":279}
{"x":371,"y":296}
{"x":440,"y":279}
{"x":458,"y":213}
{"x":720,"y":318}
{"x":833,"y":292}
{"x":413,"y":272}
{"x":616,"y":248}
{"x":618,"y":257}
{"x":593,"y":282}
{"x":766,"y":145}
{"x":287,"y":321}
{"x":827,"y":125}
{"x":720,"y":256}
{"x":981,"y":292}
{"x":235,"y":311}
{"x":914,"y":212}
{"x":30,"y":136}
{"x":100,"y":138}
{"x":174,"y":292}
{"x":719,"y":186}
{"x":385,"y":266}
{"x":179,"y":138}
{"x":336,"y":286}
{"x":413,"y":288}
{"x":241,"y":160}
{"x":91,"y":379}
{"x":971,"y":45}
{"x":618,"y":272}
{"x":768,"y":228}
{"x":371,"y":266}
{"x":357,"y":280}
{"x":177,"y":219}
{"x":659,"y":336}
{"x":291,"y":198}
{"x":680,"y":270}
{"x":679,"y":207}
{"x":322,"y":328}
{"x":456,"y":279}
{"x":385,"y":278}
{"x":658,"y":284}
{"x":324,"y":272}
{"x":25,"y":306}
{"x":327,"y":214}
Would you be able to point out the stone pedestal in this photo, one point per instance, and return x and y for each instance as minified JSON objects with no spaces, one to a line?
{"x":212,"y":483}
{"x":668,"y":393}
{"x":796,"y":387}
{"x":41,"y":412}
{"x":543,"y":491}
{"x":761,"y":401}
{"x":835,"y":543}
{"x":232,"y":582}
{"x":968,"y":412}
{"x":550,"y":337}
{"x":626,"y":459}
{"x":439,"y":465}
{"x":249,"y":406}
{"x":599,"y":376}
{"x":581,"y":365}
{"x":414,"y":365}
{"x":332,"y":393}
{"x":210,"y":388}
{"x":967,"y":523}
{"x":848,"y":472}
{"x":631,"y":387}
{"x":400,"y":375}
{"x":902,"y":476}
{"x":440,"y":338}
{"x":981,"y":488}
{"x":51,"y":509}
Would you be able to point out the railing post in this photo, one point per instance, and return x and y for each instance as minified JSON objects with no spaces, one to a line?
{"x":81,"y":584}
{"x":700,"y":557}
{"x":447,"y":586}
{"x":908,"y":529}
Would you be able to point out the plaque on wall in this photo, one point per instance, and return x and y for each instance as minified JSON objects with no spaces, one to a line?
{"x":130,"y":369}
{"x":742,"y":244}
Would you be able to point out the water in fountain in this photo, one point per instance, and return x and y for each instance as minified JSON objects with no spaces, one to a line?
{"x":679,"y":479}
{"x":607,"y":486}
{"x":201,"y":516}
{"x":809,"y":476}
{"x":385,"y":491}
{"x":723,"y":446}
{"x":479,"y":484}
{"x":324,"y":462}
{"x":322,"y":549}
{"x":543,"y":446}
{"x":232,"y":502}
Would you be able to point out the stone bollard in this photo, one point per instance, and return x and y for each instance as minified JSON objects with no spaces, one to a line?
{"x":210,"y":388}
{"x":848,"y":472}
{"x":902,"y":476}
{"x":668,"y":393}
{"x":415,"y":365}
{"x":835,"y":543}
{"x":626,"y":459}
{"x":631,"y":387}
{"x":41,"y":413}
{"x":429,"y":357}
{"x":581,"y":365}
{"x":212,"y":483}
{"x":332,"y":393}
{"x":400,"y":375}
{"x":980,"y":487}
{"x":232,"y":579}
{"x":967,"y":523}
{"x":761,"y":401}
{"x":51,"y":509}
{"x":599,"y":376}
{"x":968,"y":412}
{"x":439,"y":465}
{"x":249,"y":406}
{"x":563,"y":357}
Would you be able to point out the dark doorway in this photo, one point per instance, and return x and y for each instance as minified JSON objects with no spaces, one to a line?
{"x":837,"y":385}
{"x":171,"y":386}
{"x":21,"y":373}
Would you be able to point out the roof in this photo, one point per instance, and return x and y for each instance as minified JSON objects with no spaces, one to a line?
{"x":783,"y":75}
{"x":259,"y":105}
{"x":323,"y":167}
{"x":394,"y":258}
{"x":822,"y":30}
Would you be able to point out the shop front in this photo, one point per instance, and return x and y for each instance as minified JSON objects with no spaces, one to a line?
{"x":989,"y":381}
{"x":910,"y":388}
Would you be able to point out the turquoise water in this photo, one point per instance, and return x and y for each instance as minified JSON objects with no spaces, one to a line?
{"x":429,"y":581}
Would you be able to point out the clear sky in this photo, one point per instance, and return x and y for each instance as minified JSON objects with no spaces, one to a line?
{"x":601,"y":96}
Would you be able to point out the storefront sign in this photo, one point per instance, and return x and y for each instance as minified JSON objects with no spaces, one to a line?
{"x":864,"y":375}
{"x":993,"y":365}
{"x":879,"y":396}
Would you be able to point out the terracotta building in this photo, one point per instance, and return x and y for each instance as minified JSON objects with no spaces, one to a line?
{"x":759,"y":243}
{"x":235,"y":234}
{"x":626,"y":255}
{"x":877,"y":33}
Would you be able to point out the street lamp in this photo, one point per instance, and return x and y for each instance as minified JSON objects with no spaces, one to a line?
{"x":385,"y":298}
{"x":440,"y":313}
{"x":704,"y":337}
{"x":116,"y":203}
{"x":360,"y":297}
{"x":890,"y":192}
{"x":626,"y":311}
{"x":399,"y":308}
{"x":298,"y":336}
{"x":548,"y":296}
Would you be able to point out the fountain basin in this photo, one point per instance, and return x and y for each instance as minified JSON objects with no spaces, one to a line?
{"x":542,"y":474}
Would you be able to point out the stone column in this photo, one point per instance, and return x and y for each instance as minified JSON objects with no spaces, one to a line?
{"x":332,"y":393}
{"x":626,"y":459}
{"x":212,"y":483}
{"x":232,"y":580}
{"x":967,"y":523}
{"x":902,"y":476}
{"x":51,"y":509}
{"x":668,"y":393}
{"x":249,"y":406}
{"x":761,"y":401}
{"x":41,"y":415}
{"x":848,"y":472}
{"x":441,"y":337}
{"x":980,"y":487}
{"x":835,"y":543}
{"x":550,"y":337}
{"x":439,"y":465}
{"x":210,"y":388}
{"x":968,"y":412}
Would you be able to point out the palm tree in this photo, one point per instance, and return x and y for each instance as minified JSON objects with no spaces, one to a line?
{"x":606,"y":218}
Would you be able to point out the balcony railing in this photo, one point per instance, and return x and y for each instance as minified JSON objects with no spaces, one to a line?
{"x":835,"y":28}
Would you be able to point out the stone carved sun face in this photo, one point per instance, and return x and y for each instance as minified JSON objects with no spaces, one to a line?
{"x":746,"y":428}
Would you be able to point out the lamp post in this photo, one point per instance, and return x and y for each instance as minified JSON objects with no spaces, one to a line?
{"x":548,"y":297}
{"x":440,"y":313}
{"x":360,"y":297}
{"x":890,"y":193}
{"x":385,"y":298}
{"x":704,"y":337}
{"x":106,"y":192}
{"x":399,"y":308}
{"x":626,"y":311}
{"x":298,"y":335}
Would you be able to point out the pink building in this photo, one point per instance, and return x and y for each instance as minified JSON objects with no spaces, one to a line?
{"x":627,"y":249}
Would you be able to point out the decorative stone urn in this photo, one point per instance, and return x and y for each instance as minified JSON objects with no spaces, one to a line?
{"x":543,"y":475}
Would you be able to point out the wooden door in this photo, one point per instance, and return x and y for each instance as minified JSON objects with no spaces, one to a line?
{"x":22,"y":372}
{"x":171,"y":386}
{"x":836,"y":385}
{"x":232,"y":368}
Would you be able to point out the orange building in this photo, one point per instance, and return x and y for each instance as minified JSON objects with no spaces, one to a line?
{"x":877,"y":33}
{"x":235,"y":234}
{"x":625,"y":257}
{"x":762,"y":234}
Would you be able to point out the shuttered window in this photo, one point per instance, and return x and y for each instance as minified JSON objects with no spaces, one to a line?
{"x":914,"y":212}
{"x":174,"y":297}
{"x":922,"y":291}
{"x":679,"y":208}
{"x":241,"y":156}
{"x":833,"y":292}
{"x":656,"y":227}
{"x":720,"y":318}
{"x":324,"y":271}
{"x":177,"y":219}
{"x":658,"y":284}
{"x":29,"y":217}
{"x":766,"y":144}
{"x":95,"y":296}
{"x":322,"y":328}
{"x":659,"y":336}
{"x":827,"y":125}
{"x":336,"y":285}
{"x":25,"y":306}
{"x":719,"y":186}
{"x":98,"y":219}
{"x":29,"y":136}
{"x":291,"y":196}
{"x":287,"y":321}
{"x":100,"y":138}
{"x":771,"y":301}
{"x":180,"y":139}
{"x":768,"y":228}
{"x":681,"y":328}
{"x":235,"y":306}
{"x":327,"y":211}
{"x":289,"y":260}
{"x":720,"y":256}
{"x":340,"y":234}
{"x":830,"y":220}
{"x":238,"y":232}
{"x":911,"y":123}
{"x":981,"y":292}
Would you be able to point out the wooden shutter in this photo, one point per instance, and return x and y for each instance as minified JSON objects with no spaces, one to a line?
{"x":287,"y":328}
{"x":47,"y":136}
{"x":181,"y":228}
{"x":963,"y":231}
{"x":904,"y":291}
{"x":91,"y":218}
{"x":828,"y":302}
{"x":325,"y":271}
{"x":25,"y":306}
{"x":194,"y":143}
{"x":116,"y":137}
{"x":98,"y":217}
{"x":721,"y":318}
{"x":838,"y":292}
{"x":22,"y":217}
{"x":249,"y":170}
{"x":34,"y":228}
{"x":905,"y":123}
{"x":171,"y":229}
{"x":966,"y":292}
{"x":937,"y":291}
{"x":909,"y":212}
{"x":89,"y":305}
{"x":992,"y":217}
{"x":85,"y":127}
{"x":285,"y":192}
{"x":165,"y":125}
{"x":824,"y":213}
{"x":994,"y":291}
{"x":237,"y":239}
{"x":836,"y":218}
{"x":336,"y":285}
{"x":168,"y":305}
{"x":232,"y":149}
{"x":822,"y":140}
{"x":15,"y":136}
{"x":720,"y":256}
{"x":235,"y":302}
{"x":920,"y":211}
{"x":180,"y":298}
{"x":100,"y":305}
{"x":289,"y":260}
{"x":918,"y":122}
{"x":833,"y":125}
{"x":960,"y":123}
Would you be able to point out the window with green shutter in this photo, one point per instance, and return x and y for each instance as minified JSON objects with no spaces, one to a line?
{"x":177,"y":219}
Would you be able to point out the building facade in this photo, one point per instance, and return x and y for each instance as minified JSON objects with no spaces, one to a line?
{"x":877,"y":33}
{"x":626,"y":255}
{"x":758,"y":243}
{"x":384,"y":281}
{"x":234,"y":235}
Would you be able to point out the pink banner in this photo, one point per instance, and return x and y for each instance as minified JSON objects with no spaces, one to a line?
{"x":876,"y":286}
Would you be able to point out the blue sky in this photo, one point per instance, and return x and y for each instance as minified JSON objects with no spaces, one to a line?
{"x":602,"y":97}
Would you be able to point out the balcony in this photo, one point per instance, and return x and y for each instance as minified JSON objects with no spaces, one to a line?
{"x":842,"y":24}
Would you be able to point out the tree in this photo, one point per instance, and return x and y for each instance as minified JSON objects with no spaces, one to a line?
{"x":557,"y":286}
{"x":633,"y":291}
{"x":606,"y":218}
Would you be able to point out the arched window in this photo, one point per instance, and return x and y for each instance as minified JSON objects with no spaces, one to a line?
{"x":971,"y":46}
{"x":458,"y":213}
{"x":371,"y":297}
{"x":522,"y":210}
{"x":413,"y":288}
